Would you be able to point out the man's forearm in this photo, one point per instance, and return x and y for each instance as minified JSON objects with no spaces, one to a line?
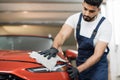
{"x":98,"y":52}
{"x":58,"y":41}
{"x":90,"y":62}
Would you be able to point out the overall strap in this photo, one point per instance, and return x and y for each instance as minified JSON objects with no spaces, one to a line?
{"x":78,"y":25}
{"x":97,"y":27}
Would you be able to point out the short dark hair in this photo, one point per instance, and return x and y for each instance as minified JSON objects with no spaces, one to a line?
{"x":94,"y":2}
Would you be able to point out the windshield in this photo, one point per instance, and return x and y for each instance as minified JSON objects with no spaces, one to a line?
{"x":24,"y":43}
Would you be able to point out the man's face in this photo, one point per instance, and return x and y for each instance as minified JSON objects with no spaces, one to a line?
{"x":89,"y":12}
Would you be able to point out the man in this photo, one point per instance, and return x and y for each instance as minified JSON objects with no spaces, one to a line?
{"x":93,"y":33}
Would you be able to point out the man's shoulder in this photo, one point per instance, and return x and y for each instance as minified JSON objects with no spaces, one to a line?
{"x":100,"y":16}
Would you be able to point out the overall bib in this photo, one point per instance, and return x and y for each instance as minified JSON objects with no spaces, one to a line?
{"x":99,"y":71}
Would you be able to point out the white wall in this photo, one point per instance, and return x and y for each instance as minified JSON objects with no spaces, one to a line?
{"x":113,"y":12}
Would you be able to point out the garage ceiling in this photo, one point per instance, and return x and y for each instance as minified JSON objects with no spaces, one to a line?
{"x":37,"y":11}
{"x":8,"y":1}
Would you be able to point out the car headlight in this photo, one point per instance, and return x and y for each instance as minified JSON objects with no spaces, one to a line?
{"x":57,"y":68}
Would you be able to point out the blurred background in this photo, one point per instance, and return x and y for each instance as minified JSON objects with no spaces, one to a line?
{"x":46,"y":17}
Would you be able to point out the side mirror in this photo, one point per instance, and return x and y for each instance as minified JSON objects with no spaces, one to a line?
{"x":71,"y":54}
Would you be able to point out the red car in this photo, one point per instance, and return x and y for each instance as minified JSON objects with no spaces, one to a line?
{"x":16,"y":64}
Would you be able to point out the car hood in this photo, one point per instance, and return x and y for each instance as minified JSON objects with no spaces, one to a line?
{"x":16,"y":60}
{"x":15,"y":55}
{"x":21,"y":55}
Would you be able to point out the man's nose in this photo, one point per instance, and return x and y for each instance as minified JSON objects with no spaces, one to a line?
{"x":87,"y":13}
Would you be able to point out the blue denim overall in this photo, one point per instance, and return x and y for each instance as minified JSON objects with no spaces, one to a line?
{"x":99,"y":71}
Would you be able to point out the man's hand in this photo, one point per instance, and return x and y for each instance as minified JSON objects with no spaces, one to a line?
{"x":50,"y":52}
{"x":73,"y":72}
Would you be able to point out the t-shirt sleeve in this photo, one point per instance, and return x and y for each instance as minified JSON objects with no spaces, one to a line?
{"x":72,"y":20}
{"x":105,"y":31}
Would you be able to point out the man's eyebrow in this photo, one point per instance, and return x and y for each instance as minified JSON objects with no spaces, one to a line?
{"x":89,"y":10}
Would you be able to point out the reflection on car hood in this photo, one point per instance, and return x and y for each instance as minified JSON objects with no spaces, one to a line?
{"x":15,"y":55}
{"x":11,"y":60}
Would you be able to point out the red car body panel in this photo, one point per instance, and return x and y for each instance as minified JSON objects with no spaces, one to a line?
{"x":16,"y":62}
{"x":71,"y":53}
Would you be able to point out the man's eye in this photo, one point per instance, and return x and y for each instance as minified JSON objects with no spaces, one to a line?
{"x":85,"y":9}
{"x":91,"y":11}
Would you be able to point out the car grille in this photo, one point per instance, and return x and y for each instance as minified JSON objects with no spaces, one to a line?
{"x":7,"y":76}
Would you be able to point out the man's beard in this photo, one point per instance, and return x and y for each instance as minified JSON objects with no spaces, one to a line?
{"x":88,"y":19}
